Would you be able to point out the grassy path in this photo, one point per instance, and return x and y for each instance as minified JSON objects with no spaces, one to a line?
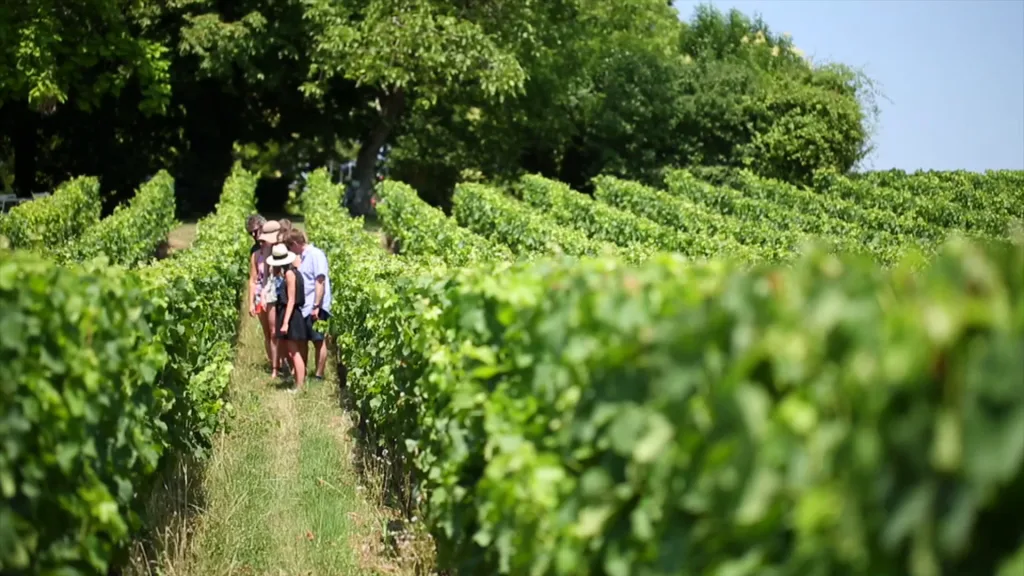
{"x":281,"y":493}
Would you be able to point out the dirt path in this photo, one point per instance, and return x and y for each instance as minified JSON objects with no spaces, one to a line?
{"x":281,"y":492}
{"x":181,"y":237}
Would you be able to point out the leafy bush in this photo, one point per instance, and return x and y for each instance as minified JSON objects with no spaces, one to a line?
{"x":806,"y":122}
{"x":756,"y":211}
{"x":726,"y":200}
{"x":693,"y":420}
{"x":603,"y":222}
{"x":998,"y":191}
{"x":980,"y":205}
{"x":679,"y":213}
{"x":47,"y":223}
{"x":131,"y":234}
{"x":748,"y":97}
{"x":881,"y":233}
{"x":80,"y":406}
{"x":201,"y":289}
{"x":490,"y":213}
{"x":108,"y":369}
{"x":858,"y":201}
{"x":589,"y":417}
{"x":423,"y":229}
{"x":380,"y":368}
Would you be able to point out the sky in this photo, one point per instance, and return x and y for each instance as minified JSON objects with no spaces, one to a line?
{"x":951,"y":71}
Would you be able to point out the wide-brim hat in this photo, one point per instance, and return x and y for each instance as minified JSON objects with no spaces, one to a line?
{"x":281,"y":256}
{"x":271,"y":232}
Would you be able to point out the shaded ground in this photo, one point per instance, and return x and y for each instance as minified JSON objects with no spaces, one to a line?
{"x":182,"y":236}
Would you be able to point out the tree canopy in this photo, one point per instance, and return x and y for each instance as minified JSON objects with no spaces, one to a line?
{"x":566,"y":88}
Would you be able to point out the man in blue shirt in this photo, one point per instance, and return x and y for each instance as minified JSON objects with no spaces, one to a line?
{"x":317,"y":284}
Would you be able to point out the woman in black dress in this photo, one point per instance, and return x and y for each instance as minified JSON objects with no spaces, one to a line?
{"x":291,"y":327}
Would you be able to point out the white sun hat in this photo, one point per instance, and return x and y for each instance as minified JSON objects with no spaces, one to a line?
{"x":280,"y":256}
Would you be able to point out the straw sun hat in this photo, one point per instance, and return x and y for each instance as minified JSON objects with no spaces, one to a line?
{"x":280,"y":256}
{"x":270,"y":232}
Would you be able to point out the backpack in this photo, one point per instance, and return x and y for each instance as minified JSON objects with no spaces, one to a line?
{"x":268,"y":291}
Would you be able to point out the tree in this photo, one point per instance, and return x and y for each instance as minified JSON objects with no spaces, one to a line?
{"x":238,"y":72}
{"x":414,"y":53}
{"x":71,"y":51}
{"x":629,"y":57}
{"x":594,"y":95}
{"x":751,"y":99}
{"x":566,"y":88}
{"x":626,"y":88}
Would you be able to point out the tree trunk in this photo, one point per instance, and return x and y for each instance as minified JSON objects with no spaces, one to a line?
{"x":26,"y":141}
{"x":365,"y":173}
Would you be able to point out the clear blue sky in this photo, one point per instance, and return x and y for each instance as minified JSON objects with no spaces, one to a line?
{"x":952,"y":70}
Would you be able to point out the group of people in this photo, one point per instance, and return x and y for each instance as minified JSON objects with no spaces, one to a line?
{"x":289,"y":291}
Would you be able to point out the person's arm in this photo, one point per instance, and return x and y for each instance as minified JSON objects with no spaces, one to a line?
{"x":317,"y":296}
{"x":289,"y":281}
{"x":320,"y":275}
{"x":252,"y":284}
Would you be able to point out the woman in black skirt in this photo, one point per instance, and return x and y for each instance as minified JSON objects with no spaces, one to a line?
{"x":291,"y":328}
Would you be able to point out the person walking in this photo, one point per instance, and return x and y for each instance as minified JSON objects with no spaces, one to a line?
{"x":291,"y":327}
{"x":258,"y":273}
{"x":266,"y":287}
{"x":254,"y":226}
{"x":313,"y":268}
{"x":286,"y":227}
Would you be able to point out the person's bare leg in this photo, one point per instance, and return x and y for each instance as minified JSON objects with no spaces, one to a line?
{"x":321,"y":357}
{"x":281,"y":354}
{"x":268,"y":337}
{"x":275,"y":343}
{"x":298,"y":363}
{"x":304,"y":350}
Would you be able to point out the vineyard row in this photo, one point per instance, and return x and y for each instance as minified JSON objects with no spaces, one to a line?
{"x":114,"y":364}
{"x":589,"y":416}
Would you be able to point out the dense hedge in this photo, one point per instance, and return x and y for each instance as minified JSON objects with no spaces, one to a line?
{"x":79,"y":411}
{"x":728,"y":427}
{"x":603,"y":222}
{"x":833,"y":201}
{"x":859,"y":201}
{"x":683,"y":184}
{"x":876,"y":231}
{"x":979,"y":204}
{"x":488,"y":212}
{"x":369,"y":342}
{"x":131,"y":234}
{"x":47,"y":223}
{"x":423,"y":229}
{"x":1001,"y":191}
{"x":108,"y":370}
{"x":352,"y":274}
{"x":763,"y":240}
{"x":589,"y":417}
{"x":201,"y":288}
{"x":763,"y":206}
{"x":990,"y":200}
